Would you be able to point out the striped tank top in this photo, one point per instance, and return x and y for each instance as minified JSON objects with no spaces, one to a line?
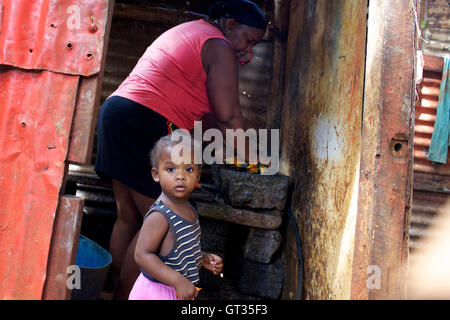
{"x":185,"y":255}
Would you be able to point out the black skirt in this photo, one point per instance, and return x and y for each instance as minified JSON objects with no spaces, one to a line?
{"x":126,"y":133}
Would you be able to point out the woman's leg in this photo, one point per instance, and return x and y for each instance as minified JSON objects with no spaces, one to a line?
{"x":125,"y":227}
{"x":131,"y":208}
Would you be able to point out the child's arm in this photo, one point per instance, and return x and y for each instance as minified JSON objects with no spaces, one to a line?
{"x":151,"y":236}
{"x":212,"y":262}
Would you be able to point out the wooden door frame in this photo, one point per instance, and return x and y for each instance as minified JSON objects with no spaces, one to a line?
{"x":385,"y":189}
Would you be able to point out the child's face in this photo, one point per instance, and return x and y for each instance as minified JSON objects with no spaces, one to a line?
{"x":176,"y":180}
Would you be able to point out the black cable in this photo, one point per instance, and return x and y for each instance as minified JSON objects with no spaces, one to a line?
{"x":299,"y":253}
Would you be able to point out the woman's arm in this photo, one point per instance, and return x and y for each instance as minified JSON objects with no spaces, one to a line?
{"x":151,"y":236}
{"x":220,"y":64}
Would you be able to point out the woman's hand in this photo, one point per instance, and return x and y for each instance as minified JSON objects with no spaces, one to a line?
{"x":212,"y":262}
{"x":185,"y":289}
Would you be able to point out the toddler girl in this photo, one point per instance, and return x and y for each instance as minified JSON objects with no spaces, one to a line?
{"x":168,"y":249}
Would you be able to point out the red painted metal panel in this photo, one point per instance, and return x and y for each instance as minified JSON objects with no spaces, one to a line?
{"x":65,"y":36}
{"x":35,"y":124}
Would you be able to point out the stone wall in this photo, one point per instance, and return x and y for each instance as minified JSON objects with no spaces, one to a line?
{"x":242,"y":220}
{"x":241,"y":216}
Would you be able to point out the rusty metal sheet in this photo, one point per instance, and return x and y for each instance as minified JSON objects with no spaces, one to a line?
{"x":85,"y":117}
{"x":65,"y":36}
{"x":426,"y":205}
{"x":35,"y":124}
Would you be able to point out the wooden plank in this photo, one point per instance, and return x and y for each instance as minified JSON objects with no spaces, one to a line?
{"x":63,"y":248}
{"x":279,"y":27}
{"x":154,"y":14}
{"x":385,"y":188}
{"x":87,"y":105}
{"x":320,"y":141}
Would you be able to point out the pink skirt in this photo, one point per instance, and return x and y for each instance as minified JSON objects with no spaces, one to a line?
{"x":145,"y":289}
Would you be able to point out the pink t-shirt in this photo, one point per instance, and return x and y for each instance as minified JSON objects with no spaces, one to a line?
{"x":169,"y":78}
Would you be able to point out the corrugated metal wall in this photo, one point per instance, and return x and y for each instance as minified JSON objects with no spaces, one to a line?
{"x":47,"y":51}
{"x":35,"y":126}
{"x":431,"y":181}
{"x":436,"y":26}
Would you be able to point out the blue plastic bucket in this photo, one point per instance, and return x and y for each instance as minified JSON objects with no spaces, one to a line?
{"x":94,"y":262}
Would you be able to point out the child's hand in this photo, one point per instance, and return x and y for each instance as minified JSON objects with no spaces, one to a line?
{"x":212,"y":262}
{"x":185,"y":289}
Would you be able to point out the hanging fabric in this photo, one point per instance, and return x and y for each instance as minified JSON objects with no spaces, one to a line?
{"x":441,"y":133}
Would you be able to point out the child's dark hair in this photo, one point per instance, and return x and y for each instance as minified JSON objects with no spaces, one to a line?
{"x":163,"y":143}
{"x":243,"y":11}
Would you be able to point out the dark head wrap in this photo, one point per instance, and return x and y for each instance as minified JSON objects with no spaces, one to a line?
{"x":243,"y":11}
